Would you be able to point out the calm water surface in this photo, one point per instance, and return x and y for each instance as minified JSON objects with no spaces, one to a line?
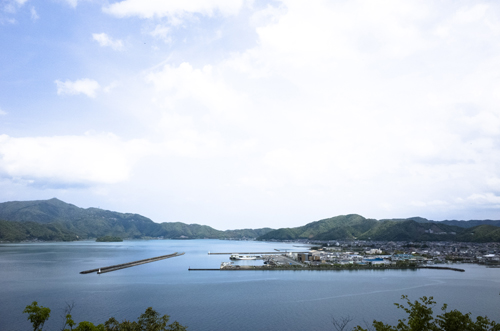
{"x":214,"y":300}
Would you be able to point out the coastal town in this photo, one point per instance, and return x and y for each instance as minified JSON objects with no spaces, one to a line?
{"x":372,"y":254}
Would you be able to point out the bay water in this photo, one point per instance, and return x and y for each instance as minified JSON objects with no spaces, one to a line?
{"x":49,"y":273}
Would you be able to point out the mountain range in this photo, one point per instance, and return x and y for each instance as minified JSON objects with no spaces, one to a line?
{"x":410,"y":229}
{"x":55,"y":220}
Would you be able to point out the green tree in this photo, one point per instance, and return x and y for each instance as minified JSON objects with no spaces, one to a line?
{"x":150,"y":320}
{"x":37,"y":315}
{"x":88,"y":326}
{"x":176,"y":327}
{"x":421,"y":318}
{"x":69,"y":322}
{"x":456,"y":320}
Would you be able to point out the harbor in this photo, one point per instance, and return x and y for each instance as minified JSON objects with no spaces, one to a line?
{"x":130,"y":264}
{"x":231,"y":267}
{"x":277,"y":252}
{"x":317,"y":260}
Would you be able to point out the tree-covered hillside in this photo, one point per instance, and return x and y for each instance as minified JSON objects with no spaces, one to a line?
{"x":56,"y":220}
{"x":339,"y":227}
{"x":17,"y":231}
{"x":357,"y":227}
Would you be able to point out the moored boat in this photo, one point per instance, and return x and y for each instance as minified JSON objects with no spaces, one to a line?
{"x":242,"y":257}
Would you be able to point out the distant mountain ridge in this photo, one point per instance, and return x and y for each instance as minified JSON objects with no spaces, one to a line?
{"x":57,"y":220}
{"x":471,"y":223}
{"x":355,"y":226}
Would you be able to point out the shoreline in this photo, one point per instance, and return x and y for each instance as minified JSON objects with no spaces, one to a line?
{"x":263,"y":268}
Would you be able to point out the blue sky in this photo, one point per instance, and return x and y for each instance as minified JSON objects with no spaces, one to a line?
{"x":253,"y":113}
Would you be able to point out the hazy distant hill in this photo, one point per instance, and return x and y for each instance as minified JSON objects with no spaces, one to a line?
{"x":411,"y":229}
{"x":56,"y":220}
{"x":471,"y":223}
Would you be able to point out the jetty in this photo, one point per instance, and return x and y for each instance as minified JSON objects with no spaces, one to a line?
{"x":115,"y":267}
{"x":255,"y":253}
{"x":284,"y":268}
{"x":231,"y":267}
{"x":441,"y":268}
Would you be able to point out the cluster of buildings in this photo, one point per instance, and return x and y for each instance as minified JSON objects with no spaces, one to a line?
{"x":392,"y":253}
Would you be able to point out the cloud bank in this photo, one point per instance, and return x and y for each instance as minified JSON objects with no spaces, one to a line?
{"x":283,"y":111}
{"x":75,"y":160}
{"x":85,"y":86}
{"x":105,"y":41}
{"x":159,"y":8}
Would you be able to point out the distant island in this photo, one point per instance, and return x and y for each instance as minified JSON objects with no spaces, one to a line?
{"x":109,"y":239}
{"x":56,"y":220}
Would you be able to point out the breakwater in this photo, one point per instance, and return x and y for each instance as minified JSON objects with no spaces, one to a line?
{"x":246,"y":268}
{"x":255,"y":253}
{"x":443,"y":268}
{"x":130,"y":264}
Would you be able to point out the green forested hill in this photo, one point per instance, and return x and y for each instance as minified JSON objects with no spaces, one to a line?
{"x":56,"y":220}
{"x":481,"y":233}
{"x":411,"y":229}
{"x":19,"y":231}
{"x":471,"y":223}
{"x":339,"y":227}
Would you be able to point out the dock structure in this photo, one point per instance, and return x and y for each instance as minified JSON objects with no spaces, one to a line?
{"x":283,"y":268}
{"x":130,"y":264}
{"x":441,"y":268}
{"x":255,"y":253}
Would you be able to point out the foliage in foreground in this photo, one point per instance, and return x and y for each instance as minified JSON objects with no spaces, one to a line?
{"x":421,"y":318}
{"x":149,"y":321}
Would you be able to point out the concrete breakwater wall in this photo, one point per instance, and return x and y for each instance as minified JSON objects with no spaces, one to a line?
{"x":130,"y":264}
{"x":251,"y":253}
{"x":444,"y":268}
{"x":283,"y":268}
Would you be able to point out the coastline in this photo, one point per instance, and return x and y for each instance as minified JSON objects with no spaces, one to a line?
{"x":286,"y":268}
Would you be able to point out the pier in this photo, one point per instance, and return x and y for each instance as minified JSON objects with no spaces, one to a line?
{"x":442,"y":268}
{"x":130,"y":264}
{"x":256,"y":253}
{"x":283,"y":268}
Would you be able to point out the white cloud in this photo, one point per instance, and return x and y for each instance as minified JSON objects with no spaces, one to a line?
{"x":110,"y":87}
{"x":106,"y":41}
{"x":20,"y":2}
{"x":85,"y":86}
{"x":350,"y":101}
{"x":72,"y":3}
{"x":88,"y":159}
{"x":177,"y":85}
{"x":484,"y":198}
{"x":2,"y":112}
{"x":34,"y":15}
{"x":10,"y":7}
{"x":175,"y":8}
{"x":387,"y":108}
{"x":162,"y":32}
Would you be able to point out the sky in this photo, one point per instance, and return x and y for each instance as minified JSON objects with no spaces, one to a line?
{"x":248,"y":114}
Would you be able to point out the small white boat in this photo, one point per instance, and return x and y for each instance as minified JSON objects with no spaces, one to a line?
{"x":242,"y":257}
